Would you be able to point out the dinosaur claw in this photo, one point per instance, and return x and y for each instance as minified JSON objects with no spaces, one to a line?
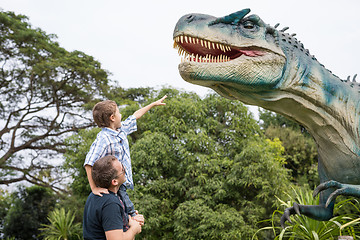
{"x":285,"y":217}
{"x":316,"y":192}
{"x":297,"y":209}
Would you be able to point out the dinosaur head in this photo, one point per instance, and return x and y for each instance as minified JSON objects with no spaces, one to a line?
{"x":232,"y":54}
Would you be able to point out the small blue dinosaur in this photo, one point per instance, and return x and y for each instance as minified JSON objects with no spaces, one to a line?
{"x":242,"y":58}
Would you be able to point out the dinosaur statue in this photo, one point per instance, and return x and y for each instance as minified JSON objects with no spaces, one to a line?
{"x":242,"y":58}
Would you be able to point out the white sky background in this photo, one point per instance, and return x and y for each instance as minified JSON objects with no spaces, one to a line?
{"x":133,"y":39}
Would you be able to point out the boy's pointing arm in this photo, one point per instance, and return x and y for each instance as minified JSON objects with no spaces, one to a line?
{"x":138,"y":114}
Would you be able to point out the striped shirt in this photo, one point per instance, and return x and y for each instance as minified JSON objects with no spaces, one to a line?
{"x":114,"y":142}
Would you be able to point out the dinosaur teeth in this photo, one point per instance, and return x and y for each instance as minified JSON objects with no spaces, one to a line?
{"x":187,"y":56}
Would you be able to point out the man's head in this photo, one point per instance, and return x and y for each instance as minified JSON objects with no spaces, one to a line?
{"x":108,"y":172}
{"x":105,"y":113}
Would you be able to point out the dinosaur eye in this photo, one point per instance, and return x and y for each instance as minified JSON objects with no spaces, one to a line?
{"x":248,"y":25}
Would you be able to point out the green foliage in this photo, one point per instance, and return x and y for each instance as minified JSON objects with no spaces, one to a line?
{"x":302,"y":227}
{"x":5,"y":200}
{"x":199,"y":162}
{"x":29,"y":209}
{"x":62,"y":226}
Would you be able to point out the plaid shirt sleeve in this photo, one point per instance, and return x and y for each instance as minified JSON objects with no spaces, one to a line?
{"x":97,"y":151}
{"x":129,"y":125}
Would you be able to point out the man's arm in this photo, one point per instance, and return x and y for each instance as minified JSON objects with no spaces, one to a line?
{"x":119,"y":234}
{"x":138,"y":114}
{"x":96,"y":190}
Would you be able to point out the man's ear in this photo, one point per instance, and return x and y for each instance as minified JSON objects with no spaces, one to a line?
{"x":115,"y":182}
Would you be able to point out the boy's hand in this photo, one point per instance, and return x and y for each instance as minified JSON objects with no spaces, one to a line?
{"x":139,"y":218}
{"x":143,"y":110}
{"x":160,"y":102}
{"x":98,"y":191}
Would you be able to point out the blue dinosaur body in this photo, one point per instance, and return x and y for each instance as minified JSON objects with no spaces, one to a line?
{"x":242,"y":58}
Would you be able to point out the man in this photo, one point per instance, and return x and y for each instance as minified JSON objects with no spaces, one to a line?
{"x":105,"y":217}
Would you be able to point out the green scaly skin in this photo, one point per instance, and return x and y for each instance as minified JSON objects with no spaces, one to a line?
{"x":243,"y":58}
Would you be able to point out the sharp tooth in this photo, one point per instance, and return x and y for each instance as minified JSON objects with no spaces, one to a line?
{"x":190,"y":39}
{"x":217,"y":46}
{"x":182,"y":39}
{"x":209,"y":44}
{"x":186,"y":39}
{"x":196,"y":58}
{"x":200,"y":59}
{"x":197,"y":41}
{"x":213,"y":45}
{"x":202,"y":42}
{"x":205,"y":44}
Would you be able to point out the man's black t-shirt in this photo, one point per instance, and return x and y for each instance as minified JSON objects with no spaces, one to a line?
{"x":103,"y":214}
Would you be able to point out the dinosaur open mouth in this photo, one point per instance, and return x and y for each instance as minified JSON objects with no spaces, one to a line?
{"x":201,"y":50}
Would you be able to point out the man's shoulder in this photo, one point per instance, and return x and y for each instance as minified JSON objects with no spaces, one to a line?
{"x":104,"y":199}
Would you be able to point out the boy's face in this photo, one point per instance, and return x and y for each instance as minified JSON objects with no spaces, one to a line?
{"x":117,"y":119}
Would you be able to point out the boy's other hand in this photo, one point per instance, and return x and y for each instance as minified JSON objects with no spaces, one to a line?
{"x":98,"y":191}
{"x":139,"y":218}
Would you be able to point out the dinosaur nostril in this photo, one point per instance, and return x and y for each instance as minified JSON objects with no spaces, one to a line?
{"x":190,"y":18}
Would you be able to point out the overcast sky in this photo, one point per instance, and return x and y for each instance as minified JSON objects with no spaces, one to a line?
{"x":133,"y":39}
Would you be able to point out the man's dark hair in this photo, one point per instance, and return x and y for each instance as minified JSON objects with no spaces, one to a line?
{"x":103,"y":171}
{"x":102,"y":112}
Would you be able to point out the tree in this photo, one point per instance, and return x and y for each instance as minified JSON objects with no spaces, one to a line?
{"x":43,"y":89}
{"x":202,"y":169}
{"x":29,"y":209}
{"x":4,"y":207}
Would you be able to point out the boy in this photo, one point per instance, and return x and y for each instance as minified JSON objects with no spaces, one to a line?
{"x":112,"y":140}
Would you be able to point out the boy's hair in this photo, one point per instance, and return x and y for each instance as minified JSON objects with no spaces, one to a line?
{"x":102,"y":112}
{"x":103,"y":171}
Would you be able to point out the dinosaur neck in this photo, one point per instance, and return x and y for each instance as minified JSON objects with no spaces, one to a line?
{"x":327,"y":106}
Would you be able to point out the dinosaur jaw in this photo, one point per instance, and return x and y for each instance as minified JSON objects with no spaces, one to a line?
{"x":228,"y":68}
{"x":201,"y":50}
